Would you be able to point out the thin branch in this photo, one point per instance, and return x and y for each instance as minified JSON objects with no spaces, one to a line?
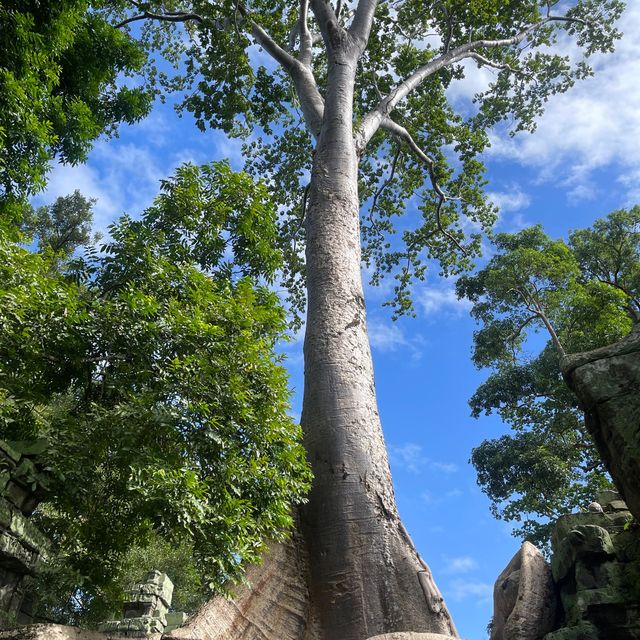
{"x":383,"y":186}
{"x":172,"y":16}
{"x":537,"y":309}
{"x":306,"y":41}
{"x":402,"y":134}
{"x":372,"y":121}
{"x":311,"y":101}
{"x":497,"y":65}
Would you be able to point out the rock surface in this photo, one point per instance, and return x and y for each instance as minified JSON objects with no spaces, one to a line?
{"x":524,"y":600}
{"x":410,"y":635}
{"x":596,"y":567}
{"x":607,"y":383}
{"x":51,"y":632}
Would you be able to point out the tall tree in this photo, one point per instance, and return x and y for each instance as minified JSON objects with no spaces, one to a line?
{"x":582,"y":294}
{"x":356,"y":94}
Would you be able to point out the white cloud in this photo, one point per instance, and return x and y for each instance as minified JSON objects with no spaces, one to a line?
{"x":445,"y":467}
{"x":514,"y":199}
{"x":463,"y":589}
{"x":461,"y":564}
{"x":440,"y":299}
{"x":410,"y":456}
{"x":594,"y":125}
{"x":385,"y":336}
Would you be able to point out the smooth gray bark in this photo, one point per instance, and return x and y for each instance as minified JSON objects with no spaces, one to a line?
{"x":366,"y":577}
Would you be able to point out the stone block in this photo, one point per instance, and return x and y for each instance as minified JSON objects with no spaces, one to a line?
{"x":174,"y":620}
{"x":14,"y":556}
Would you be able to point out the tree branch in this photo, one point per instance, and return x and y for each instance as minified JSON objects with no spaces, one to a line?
{"x":326,"y":19}
{"x":362,"y":22}
{"x":171,"y":16}
{"x":372,"y":121}
{"x":403,"y":135}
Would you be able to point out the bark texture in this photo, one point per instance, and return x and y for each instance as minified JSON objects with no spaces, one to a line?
{"x":524,"y":599}
{"x":366,"y":577}
{"x":607,"y":383}
{"x":274,"y":605}
{"x":51,"y":632}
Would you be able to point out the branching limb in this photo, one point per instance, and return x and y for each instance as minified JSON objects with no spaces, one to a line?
{"x":326,"y":19}
{"x":362,"y":22}
{"x":497,"y":65}
{"x":399,"y":132}
{"x":169,"y":16}
{"x":533,"y":305}
{"x":372,"y":121}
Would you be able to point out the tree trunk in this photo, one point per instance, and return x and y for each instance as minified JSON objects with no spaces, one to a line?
{"x":354,"y":571}
{"x":366,"y":577}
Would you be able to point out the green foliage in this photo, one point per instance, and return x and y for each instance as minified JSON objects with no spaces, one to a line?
{"x":61,"y":227}
{"x":59,"y":65}
{"x":228,"y":90}
{"x":150,"y":369}
{"x":584,"y":294}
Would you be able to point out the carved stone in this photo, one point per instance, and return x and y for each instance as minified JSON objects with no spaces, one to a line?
{"x":524,"y":600}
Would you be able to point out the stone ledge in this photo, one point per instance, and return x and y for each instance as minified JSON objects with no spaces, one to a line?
{"x":411,"y":635}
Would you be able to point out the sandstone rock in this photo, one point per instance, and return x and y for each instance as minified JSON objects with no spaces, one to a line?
{"x":607,"y":383}
{"x":50,"y":632}
{"x":410,"y":635}
{"x":524,"y":600}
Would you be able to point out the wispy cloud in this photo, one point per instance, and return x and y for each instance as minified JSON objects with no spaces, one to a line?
{"x":385,"y":336}
{"x":410,"y":456}
{"x":440,"y":299}
{"x":461,"y":564}
{"x":594,"y":125}
{"x":464,"y":588}
{"x":513,"y":199}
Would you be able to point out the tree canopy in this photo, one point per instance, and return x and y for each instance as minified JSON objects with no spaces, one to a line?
{"x":583,"y":294}
{"x":413,"y":141}
{"x":149,"y":368}
{"x":60,"y":87}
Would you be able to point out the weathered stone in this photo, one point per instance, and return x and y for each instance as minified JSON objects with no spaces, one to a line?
{"x":22,"y":545}
{"x":580,"y":632}
{"x":606,"y":496}
{"x":410,"y":635}
{"x":524,"y":600}
{"x":597,"y":573}
{"x":174,"y":620}
{"x":50,"y":632}
{"x":607,"y":383}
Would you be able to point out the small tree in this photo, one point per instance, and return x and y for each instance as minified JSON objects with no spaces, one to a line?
{"x":583,"y":294}
{"x":150,"y":370}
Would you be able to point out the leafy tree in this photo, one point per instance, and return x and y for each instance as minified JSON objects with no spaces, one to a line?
{"x":59,"y":63}
{"x":63,"y":226}
{"x":150,"y":369}
{"x":583,"y":294}
{"x":356,"y":97}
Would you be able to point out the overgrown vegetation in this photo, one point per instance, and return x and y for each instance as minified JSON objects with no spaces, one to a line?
{"x":582,"y":294}
{"x":149,"y":367}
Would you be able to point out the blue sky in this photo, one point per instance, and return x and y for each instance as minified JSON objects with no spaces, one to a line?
{"x":583,"y":162}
